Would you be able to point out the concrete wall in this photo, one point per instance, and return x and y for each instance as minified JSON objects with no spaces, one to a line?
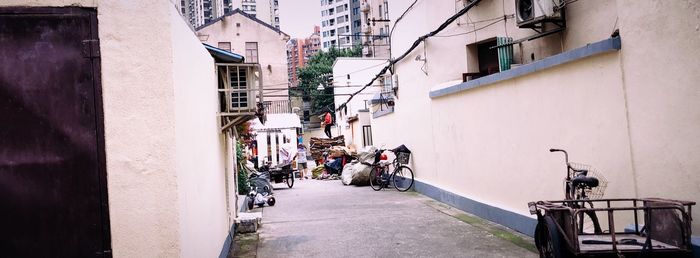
{"x":361,"y":71}
{"x":201,"y":149}
{"x":164,"y":153}
{"x":272,"y":54}
{"x":633,"y":114}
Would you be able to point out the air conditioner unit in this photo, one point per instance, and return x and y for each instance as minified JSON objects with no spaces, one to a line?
{"x":530,"y":12}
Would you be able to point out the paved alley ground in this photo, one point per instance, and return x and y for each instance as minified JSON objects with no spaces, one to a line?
{"x":327,"y":219}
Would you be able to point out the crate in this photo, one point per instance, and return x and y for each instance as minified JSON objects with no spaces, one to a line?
{"x":403,"y":157}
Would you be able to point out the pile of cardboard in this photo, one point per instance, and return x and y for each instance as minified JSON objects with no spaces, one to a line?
{"x":321,"y":145}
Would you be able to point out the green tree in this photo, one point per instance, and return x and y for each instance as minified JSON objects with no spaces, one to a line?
{"x":317,"y":71}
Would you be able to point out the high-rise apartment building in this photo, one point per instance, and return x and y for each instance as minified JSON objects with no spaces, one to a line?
{"x":299,"y":51}
{"x":375,"y":28}
{"x":200,"y":12}
{"x":341,"y":23}
{"x":295,"y":59}
{"x":312,"y":44}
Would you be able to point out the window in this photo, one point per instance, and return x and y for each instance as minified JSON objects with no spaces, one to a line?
{"x":251,"y":52}
{"x":356,"y":10}
{"x":341,"y":19}
{"x":381,"y":13}
{"x":356,"y":24}
{"x":225,"y":46}
{"x":386,"y":9}
{"x":482,"y":60}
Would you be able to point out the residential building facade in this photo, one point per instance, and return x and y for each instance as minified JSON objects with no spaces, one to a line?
{"x":480,"y":121}
{"x":312,"y":44}
{"x":349,"y":75}
{"x":260,"y":43}
{"x":299,"y":51}
{"x":295,"y":59}
{"x":200,"y":12}
{"x":340,"y":24}
{"x":375,"y":28}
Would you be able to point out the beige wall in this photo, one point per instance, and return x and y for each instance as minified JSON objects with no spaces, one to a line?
{"x":634,"y":113}
{"x":201,"y":150}
{"x":361,"y":71}
{"x":272,"y":54}
{"x":164,"y":160}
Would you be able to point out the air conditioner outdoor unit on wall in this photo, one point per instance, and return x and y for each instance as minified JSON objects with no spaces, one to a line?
{"x":531,"y":12}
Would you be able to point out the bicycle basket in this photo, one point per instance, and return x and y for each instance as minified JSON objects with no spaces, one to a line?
{"x":594,"y":192}
{"x":403,"y":157}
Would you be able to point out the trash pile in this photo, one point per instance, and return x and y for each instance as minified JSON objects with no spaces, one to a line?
{"x":357,"y":173}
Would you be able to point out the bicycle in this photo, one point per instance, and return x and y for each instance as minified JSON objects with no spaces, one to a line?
{"x":583,"y":183}
{"x":380,"y":177}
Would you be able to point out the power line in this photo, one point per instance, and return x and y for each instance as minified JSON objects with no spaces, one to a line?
{"x":475,"y":30}
{"x":413,"y":47}
{"x":401,"y":17}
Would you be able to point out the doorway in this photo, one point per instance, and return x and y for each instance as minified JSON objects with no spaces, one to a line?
{"x":53,"y":190}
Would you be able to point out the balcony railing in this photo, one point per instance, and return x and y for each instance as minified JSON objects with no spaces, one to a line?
{"x":277,"y":107}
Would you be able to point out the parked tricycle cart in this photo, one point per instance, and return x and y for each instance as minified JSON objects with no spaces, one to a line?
{"x":283,"y":173}
{"x":617,"y":228}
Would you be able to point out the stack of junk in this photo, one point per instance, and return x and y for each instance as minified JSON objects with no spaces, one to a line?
{"x":356,"y":172}
{"x":331,"y":153}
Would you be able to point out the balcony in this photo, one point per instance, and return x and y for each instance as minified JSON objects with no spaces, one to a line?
{"x":240,"y":93}
{"x":277,"y":107}
{"x":364,"y":7}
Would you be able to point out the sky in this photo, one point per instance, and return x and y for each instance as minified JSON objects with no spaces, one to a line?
{"x":298,"y":17}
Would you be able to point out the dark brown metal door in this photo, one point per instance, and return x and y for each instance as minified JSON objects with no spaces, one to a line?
{"x":52,"y":170}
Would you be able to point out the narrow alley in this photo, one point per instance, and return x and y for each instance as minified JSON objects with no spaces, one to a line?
{"x":327,"y":219}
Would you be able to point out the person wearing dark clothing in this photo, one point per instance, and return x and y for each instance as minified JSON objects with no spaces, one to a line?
{"x":328,"y":121}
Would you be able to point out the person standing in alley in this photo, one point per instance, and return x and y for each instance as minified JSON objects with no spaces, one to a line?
{"x":301,"y":161}
{"x":328,"y":121}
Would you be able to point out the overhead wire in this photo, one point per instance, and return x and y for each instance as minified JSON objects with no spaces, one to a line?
{"x":401,"y":17}
{"x":472,"y":31}
{"x":413,"y":47}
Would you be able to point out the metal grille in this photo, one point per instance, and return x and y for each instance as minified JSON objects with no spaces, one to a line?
{"x":366,"y":135}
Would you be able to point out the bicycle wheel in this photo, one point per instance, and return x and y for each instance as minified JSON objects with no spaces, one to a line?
{"x":375,"y":179}
{"x":403,"y":178}
{"x":290,"y":180}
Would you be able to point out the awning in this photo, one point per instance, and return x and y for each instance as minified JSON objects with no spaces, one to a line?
{"x":223,"y":56}
{"x":278,"y":121}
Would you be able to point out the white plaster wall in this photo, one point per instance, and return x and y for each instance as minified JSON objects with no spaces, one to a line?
{"x":361,"y":71}
{"x":272,"y":53}
{"x":634,"y":114}
{"x":144,"y":128}
{"x":201,"y":148}
{"x":140,"y":146}
{"x":659,"y":60}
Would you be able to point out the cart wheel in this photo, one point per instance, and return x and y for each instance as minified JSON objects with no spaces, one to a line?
{"x":251,"y":203}
{"x":260,"y":205}
{"x":548,"y":239}
{"x":290,"y":181}
{"x":271,"y":201}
